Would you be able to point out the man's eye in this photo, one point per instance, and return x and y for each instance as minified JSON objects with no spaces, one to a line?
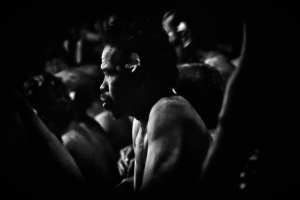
{"x":110,"y":73}
{"x":103,"y":60}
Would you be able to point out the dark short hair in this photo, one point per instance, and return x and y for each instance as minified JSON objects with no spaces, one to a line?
{"x":202,"y":86}
{"x":149,"y":40}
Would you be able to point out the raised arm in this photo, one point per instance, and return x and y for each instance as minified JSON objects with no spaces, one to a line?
{"x":34,"y":161}
{"x":258,"y":112}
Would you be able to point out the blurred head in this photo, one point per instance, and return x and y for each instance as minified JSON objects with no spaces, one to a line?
{"x":137,"y":60}
{"x":170,"y":24}
{"x":82,"y":85}
{"x":196,"y":30}
{"x":179,"y":34}
{"x":202,"y":86}
{"x":49,"y":97}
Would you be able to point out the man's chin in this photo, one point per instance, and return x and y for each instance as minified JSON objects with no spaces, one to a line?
{"x":114,"y":114}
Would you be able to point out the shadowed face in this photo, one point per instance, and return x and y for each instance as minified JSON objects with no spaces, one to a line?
{"x":49,"y":96}
{"x":118,"y":87}
{"x":177,"y":32}
{"x":171,"y":28}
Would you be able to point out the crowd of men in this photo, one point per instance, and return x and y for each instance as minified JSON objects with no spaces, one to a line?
{"x":195,"y":101}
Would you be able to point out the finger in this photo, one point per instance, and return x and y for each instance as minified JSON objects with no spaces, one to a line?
{"x":121,"y":168}
{"x":126,"y":160}
{"x":122,"y":152}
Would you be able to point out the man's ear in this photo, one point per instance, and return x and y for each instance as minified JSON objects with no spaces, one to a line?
{"x":184,"y":33}
{"x":134,"y":66}
{"x":134,"y":63}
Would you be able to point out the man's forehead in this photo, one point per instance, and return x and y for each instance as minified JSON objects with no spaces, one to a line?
{"x":109,"y":55}
{"x":167,"y":22}
{"x":108,"y":51}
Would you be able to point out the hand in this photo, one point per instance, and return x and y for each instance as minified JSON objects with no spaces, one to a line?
{"x":126,"y":162}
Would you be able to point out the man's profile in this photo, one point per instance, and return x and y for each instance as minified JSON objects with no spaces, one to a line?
{"x":170,"y":139}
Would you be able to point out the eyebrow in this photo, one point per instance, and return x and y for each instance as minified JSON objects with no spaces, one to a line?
{"x":108,"y":69}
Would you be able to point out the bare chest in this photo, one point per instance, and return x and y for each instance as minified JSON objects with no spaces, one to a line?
{"x":140,"y":150}
{"x":140,"y":146}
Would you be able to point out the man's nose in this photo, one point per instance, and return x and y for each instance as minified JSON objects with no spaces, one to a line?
{"x":103,"y":86}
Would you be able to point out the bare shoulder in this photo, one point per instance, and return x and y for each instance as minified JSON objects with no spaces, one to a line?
{"x":169,"y":103}
{"x":175,"y":113}
{"x":72,"y":137}
{"x":174,"y":106}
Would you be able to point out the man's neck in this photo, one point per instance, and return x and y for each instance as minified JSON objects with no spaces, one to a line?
{"x":143,"y":113}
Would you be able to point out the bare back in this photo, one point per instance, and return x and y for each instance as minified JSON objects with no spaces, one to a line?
{"x":94,"y":154}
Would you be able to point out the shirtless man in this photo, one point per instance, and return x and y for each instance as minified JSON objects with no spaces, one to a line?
{"x":170,"y":139}
{"x":82,"y":136}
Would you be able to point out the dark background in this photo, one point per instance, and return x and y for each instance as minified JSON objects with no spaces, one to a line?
{"x":30,"y":26}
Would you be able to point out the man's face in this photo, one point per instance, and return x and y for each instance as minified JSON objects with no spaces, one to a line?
{"x":118,"y":88}
{"x":52,"y":96}
{"x":171,"y":29}
{"x":175,"y":33}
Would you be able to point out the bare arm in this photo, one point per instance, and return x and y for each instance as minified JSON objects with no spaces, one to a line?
{"x":175,"y":145}
{"x":164,"y":149}
{"x":258,"y":99}
{"x":228,"y":153}
{"x":35,"y":161}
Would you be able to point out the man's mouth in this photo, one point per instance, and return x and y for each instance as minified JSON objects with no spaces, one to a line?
{"x":107,"y":105}
{"x":106,"y":102}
